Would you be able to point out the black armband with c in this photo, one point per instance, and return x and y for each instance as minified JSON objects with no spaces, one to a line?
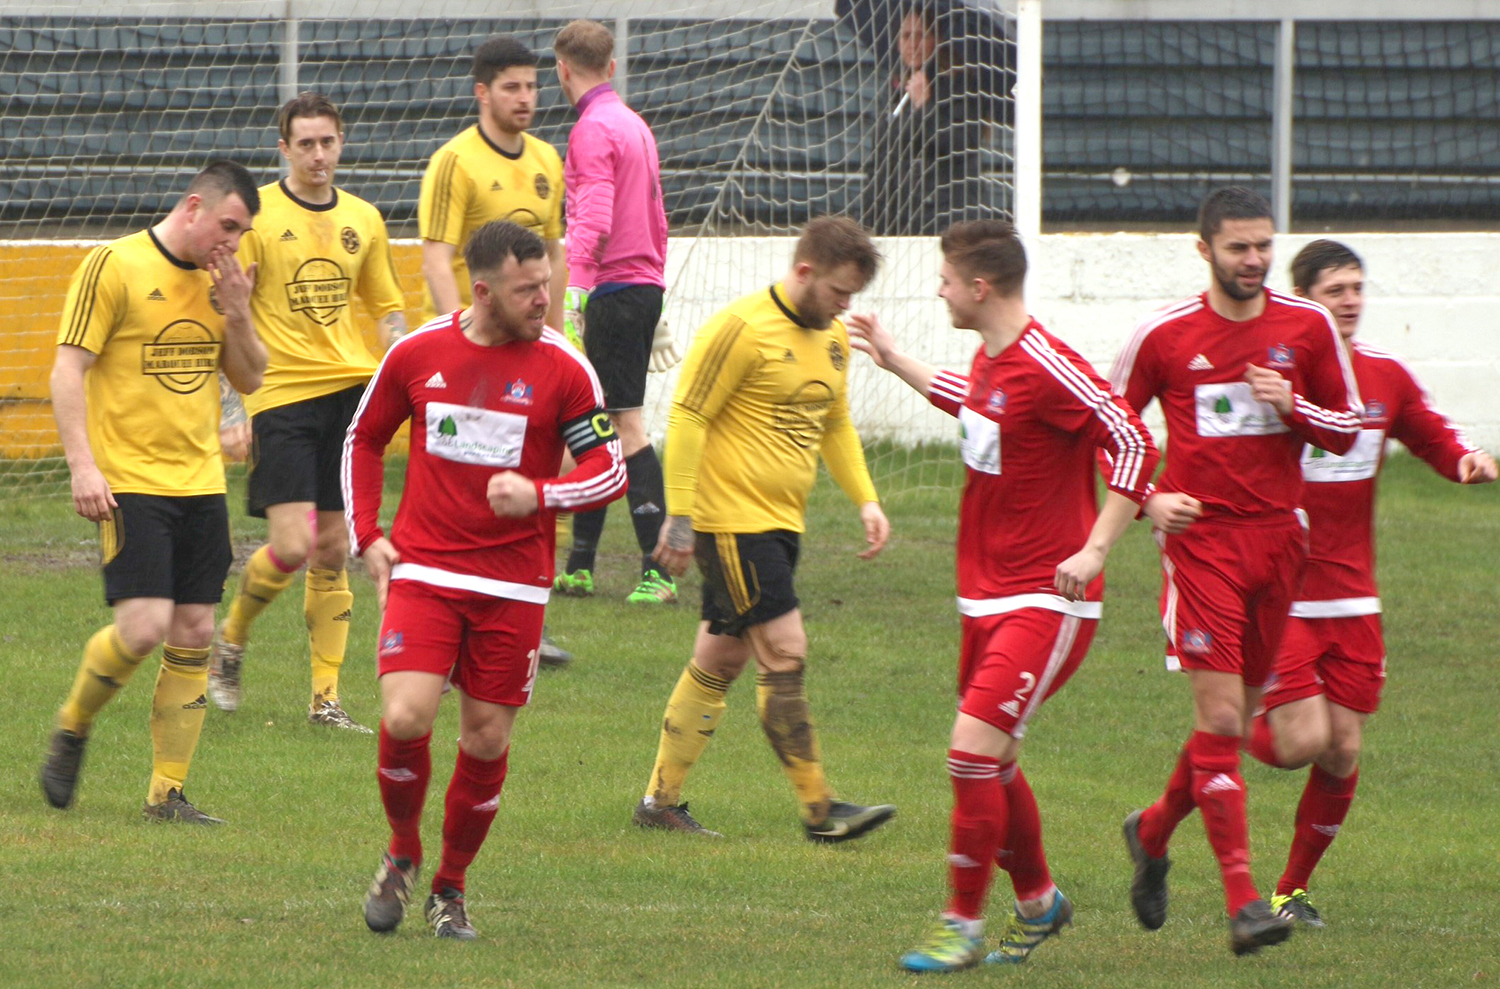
{"x":586,"y":432}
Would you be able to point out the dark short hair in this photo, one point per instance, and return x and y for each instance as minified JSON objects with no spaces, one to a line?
{"x":222,"y":178}
{"x":1231,"y":202}
{"x":832,"y":241}
{"x":587,"y":45}
{"x":497,"y":240}
{"x":498,"y":54}
{"x":1320,"y":256}
{"x":987,"y":249}
{"x":306,"y":105}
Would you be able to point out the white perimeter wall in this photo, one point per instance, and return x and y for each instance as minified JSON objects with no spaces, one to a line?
{"x":1432,"y":298}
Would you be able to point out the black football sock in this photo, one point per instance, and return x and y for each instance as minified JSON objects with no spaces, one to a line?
{"x":647,"y":500}
{"x":587,"y":528}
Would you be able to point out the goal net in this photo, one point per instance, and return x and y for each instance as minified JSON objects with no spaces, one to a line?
{"x":767,"y":113}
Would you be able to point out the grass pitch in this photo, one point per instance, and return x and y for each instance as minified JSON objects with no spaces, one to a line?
{"x":567,"y":893}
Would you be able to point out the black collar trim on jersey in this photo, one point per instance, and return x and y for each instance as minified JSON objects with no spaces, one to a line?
{"x":184,"y":265}
{"x":499,"y":150}
{"x":315,"y":207}
{"x":787,"y":312}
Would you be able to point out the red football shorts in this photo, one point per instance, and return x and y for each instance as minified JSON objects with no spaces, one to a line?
{"x":1229,"y":585}
{"x":487,"y":644}
{"x":1340,"y":658}
{"x":1011,"y":663}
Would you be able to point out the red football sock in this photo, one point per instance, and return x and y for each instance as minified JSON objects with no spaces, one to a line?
{"x":405,"y":766}
{"x":979,"y":824}
{"x":1160,"y":819}
{"x":1023,"y":856}
{"x":1262,"y":744}
{"x":1325,"y":804}
{"x":1219,"y":791}
{"x":473,"y":798}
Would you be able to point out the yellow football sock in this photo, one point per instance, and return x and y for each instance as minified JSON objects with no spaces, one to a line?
{"x":693,"y":712}
{"x":106,"y":665}
{"x":782,"y":703}
{"x":177,"y":711}
{"x":327,"y":603}
{"x":564,"y":528}
{"x":259,"y":585}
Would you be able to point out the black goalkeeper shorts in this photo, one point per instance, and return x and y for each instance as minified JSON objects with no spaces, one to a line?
{"x":617,"y":331}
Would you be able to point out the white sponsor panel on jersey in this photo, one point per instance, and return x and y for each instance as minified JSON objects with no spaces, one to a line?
{"x":981,"y":441}
{"x":468,"y":435}
{"x":1229,"y":409}
{"x":1359,"y":464}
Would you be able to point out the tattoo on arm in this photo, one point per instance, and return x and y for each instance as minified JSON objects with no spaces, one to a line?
{"x":231,"y":406}
{"x":394,"y":326}
{"x":680,"y":533}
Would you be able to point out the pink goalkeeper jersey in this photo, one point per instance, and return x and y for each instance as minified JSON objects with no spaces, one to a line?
{"x":1340,"y":491}
{"x":476,"y":411}
{"x":1032,"y":418}
{"x":1231,"y":452}
{"x":617,"y":224}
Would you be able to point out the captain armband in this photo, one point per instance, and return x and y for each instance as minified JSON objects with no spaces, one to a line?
{"x":586,"y":432}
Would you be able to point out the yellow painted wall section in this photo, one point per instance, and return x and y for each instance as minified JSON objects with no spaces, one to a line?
{"x":34,"y":279}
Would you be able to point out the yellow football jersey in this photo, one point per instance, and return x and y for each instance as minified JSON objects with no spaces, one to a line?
{"x":760,"y":396}
{"x":470,"y":182}
{"x":153,"y":393}
{"x":312,"y":259}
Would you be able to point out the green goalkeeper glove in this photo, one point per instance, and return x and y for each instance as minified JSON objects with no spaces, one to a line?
{"x":575,"y":301}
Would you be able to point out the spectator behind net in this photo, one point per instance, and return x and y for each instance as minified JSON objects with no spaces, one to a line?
{"x":927,"y":165}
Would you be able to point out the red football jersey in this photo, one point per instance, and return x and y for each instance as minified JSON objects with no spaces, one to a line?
{"x":476,"y":411}
{"x":1231,"y":452}
{"x":1339,"y":494}
{"x":1032,"y":418}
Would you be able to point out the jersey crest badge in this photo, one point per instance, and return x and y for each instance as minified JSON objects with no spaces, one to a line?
{"x":1374,"y":411}
{"x":349,"y":237}
{"x":517,"y":392}
{"x":996,"y":401}
{"x":1280,"y":356}
{"x":213,"y":299}
{"x":1196,"y":641}
{"x":836,"y":355}
{"x":543,"y":187}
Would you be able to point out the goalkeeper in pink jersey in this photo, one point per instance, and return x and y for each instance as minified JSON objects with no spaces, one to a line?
{"x":1031,"y":550}
{"x":1331,"y":666}
{"x":617,"y":253}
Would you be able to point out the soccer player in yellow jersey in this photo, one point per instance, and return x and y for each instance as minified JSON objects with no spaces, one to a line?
{"x":491,"y":171}
{"x":149,"y":322}
{"x":763,"y":393}
{"x":316,"y":247}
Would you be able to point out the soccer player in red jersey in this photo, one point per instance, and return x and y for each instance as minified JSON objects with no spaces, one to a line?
{"x":494,"y":397}
{"x":1331,"y":666}
{"x":1031,"y":550}
{"x":1245,"y":376}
